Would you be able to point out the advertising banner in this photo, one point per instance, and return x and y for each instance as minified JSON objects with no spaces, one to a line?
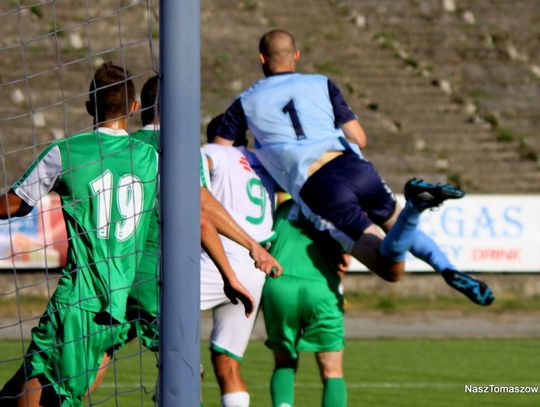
{"x":492,"y":233}
{"x":37,"y":240}
{"x":495,"y":233}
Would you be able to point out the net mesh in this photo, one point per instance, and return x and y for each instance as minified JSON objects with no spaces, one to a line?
{"x":49,"y":51}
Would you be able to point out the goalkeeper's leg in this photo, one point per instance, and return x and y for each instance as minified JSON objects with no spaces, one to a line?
{"x":426,"y":249}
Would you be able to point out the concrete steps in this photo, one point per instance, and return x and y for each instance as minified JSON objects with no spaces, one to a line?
{"x":391,"y":59}
{"x":450,"y":47}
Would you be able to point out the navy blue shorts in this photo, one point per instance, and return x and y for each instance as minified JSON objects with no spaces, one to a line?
{"x":349,"y":193}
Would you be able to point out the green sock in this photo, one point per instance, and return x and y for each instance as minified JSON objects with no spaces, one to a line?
{"x":282,"y":387}
{"x":334,"y":392}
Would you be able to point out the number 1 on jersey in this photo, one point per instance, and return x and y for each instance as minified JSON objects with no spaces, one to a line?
{"x":290,"y":109}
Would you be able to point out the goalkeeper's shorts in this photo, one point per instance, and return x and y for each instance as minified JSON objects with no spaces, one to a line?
{"x":349,"y":194}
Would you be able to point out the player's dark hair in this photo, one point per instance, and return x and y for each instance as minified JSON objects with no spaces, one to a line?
{"x":111,"y":93}
{"x":213,"y":128}
{"x":149,"y":101}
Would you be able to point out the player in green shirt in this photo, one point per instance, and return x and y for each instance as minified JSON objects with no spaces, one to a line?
{"x":303,"y":309}
{"x":107,"y":183}
{"x":143,"y":300}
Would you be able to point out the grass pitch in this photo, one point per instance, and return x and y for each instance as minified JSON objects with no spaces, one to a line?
{"x":385,"y":372}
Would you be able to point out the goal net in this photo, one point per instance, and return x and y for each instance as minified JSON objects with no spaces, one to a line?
{"x":49,"y":51}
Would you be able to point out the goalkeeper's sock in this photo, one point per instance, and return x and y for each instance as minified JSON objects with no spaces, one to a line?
{"x":236,"y":399}
{"x":334,"y":392}
{"x":425,"y":248}
{"x":401,"y":236}
{"x":282,"y":387}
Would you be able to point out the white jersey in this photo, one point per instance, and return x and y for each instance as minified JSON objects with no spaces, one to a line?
{"x":242,"y":193}
{"x":239,"y":183}
{"x":239,"y":188}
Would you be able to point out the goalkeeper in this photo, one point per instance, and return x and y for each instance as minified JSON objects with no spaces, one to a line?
{"x":309,"y":140}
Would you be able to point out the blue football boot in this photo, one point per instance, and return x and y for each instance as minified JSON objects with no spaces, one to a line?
{"x":474,"y":289}
{"x":423,"y":195}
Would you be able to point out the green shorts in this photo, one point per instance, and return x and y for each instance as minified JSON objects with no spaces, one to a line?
{"x":142,"y":326}
{"x":67,"y":347}
{"x":302,"y":315}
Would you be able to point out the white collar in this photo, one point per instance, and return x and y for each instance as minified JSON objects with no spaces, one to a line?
{"x":112,"y":132}
{"x":153,"y":126}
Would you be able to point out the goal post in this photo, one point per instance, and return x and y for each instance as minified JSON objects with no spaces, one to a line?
{"x":180,"y":129}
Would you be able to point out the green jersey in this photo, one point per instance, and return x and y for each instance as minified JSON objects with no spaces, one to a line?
{"x":301,"y":250}
{"x":144,"y":297}
{"x":148,"y":134}
{"x":107,"y":184}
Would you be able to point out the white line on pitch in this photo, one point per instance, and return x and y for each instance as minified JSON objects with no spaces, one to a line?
{"x":360,"y":385}
{"x":305,"y":385}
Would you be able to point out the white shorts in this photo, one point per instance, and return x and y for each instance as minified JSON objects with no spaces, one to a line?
{"x":231,"y":329}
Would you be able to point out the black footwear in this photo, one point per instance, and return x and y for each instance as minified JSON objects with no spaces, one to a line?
{"x":477,"y":291}
{"x":423,"y":195}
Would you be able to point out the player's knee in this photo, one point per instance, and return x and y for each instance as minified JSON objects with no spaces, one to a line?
{"x":330,"y":364}
{"x":395,"y":275}
{"x":391,"y":272}
{"x":331,"y":372}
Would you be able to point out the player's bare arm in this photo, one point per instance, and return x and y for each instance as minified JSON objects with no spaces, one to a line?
{"x":355,"y":133}
{"x":212,"y":245}
{"x":10,"y":204}
{"x":227,"y":226}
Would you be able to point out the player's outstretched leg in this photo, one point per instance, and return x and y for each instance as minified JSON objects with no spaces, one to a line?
{"x":420,"y":195}
{"x":423,"y":195}
{"x":474,"y":289}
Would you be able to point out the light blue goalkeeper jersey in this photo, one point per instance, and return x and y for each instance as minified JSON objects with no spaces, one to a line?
{"x":295,"y":119}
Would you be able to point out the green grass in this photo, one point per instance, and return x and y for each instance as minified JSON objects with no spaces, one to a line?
{"x":406,"y":373}
{"x":396,"y":372}
{"x":357,"y":302}
{"x":132,"y":389}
